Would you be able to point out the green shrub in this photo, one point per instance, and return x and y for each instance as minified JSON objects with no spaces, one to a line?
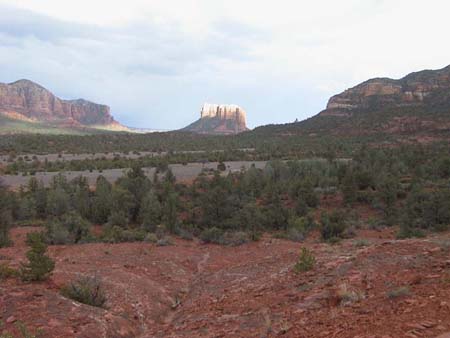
{"x":235,"y":238}
{"x":5,"y":216}
{"x":69,"y":229}
{"x":212,"y":235}
{"x":333,"y":225}
{"x":365,"y":196}
{"x":407,"y":231}
{"x":402,"y":291}
{"x":117,"y":234}
{"x":298,"y":228}
{"x":86,"y":290}
{"x":133,"y":235}
{"x":150,"y":212}
{"x":360,"y":243}
{"x":305,"y":262}
{"x":24,"y":332}
{"x":347,"y":295}
{"x":164,"y":241}
{"x":185,"y":233}
{"x":4,"y":235}
{"x":118,"y":218}
{"x":7,"y":272}
{"x":151,"y":238}
{"x":57,"y":234}
{"x":375,"y":224}
{"x":221,"y":166}
{"x":39,"y":266}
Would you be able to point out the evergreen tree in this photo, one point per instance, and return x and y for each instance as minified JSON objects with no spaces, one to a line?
{"x":58,"y":202}
{"x":150,"y":211}
{"x":387,"y":191}
{"x":5,"y":216}
{"x":39,"y":266}
{"x":349,"y":188}
{"x":169,"y":212}
{"x":101,"y":202}
{"x":81,"y":201}
{"x":123,"y":203}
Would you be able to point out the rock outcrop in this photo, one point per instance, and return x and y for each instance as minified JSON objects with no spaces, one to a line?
{"x":26,"y":100}
{"x":219,"y":119}
{"x":415,"y":108}
{"x":416,"y":89}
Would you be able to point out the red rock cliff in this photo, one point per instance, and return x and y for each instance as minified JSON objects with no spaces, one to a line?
{"x":37,"y":103}
{"x":415,"y":89}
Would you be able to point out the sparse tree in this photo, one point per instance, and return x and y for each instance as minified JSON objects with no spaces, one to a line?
{"x":39,"y":266}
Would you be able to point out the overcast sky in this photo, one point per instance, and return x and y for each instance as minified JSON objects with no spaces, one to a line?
{"x":156,"y":62}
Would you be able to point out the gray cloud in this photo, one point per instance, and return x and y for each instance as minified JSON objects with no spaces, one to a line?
{"x":20,"y":23}
{"x":146,"y":44}
{"x":137,"y":68}
{"x":155,"y":66}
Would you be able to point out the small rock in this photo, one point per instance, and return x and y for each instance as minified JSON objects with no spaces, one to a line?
{"x":416,"y":326}
{"x":428,"y":324}
{"x":10,"y":320}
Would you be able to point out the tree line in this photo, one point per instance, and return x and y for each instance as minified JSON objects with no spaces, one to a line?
{"x":408,"y":187}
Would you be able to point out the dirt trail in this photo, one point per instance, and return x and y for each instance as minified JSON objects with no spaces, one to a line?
{"x":378,"y":287}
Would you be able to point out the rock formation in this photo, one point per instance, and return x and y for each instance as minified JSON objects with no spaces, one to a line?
{"x":415,"y":108}
{"x":415,"y":89}
{"x":219,"y":119}
{"x":28,"y":101}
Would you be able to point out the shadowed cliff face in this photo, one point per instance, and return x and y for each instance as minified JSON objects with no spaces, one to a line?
{"x":31,"y":101}
{"x":219,"y":119}
{"x":414,"y":90}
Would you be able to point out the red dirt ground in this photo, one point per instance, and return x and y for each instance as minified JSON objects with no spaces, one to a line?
{"x":195,"y":290}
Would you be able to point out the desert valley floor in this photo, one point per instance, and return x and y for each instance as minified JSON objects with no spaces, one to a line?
{"x":371,"y":286}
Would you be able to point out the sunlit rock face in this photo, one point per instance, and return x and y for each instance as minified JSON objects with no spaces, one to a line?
{"x":220,"y":119}
{"x":30,"y":101}
{"x":381,"y":93}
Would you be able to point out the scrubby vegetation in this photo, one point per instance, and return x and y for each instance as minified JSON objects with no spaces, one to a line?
{"x":305,"y":262}
{"x":398,"y":292}
{"x":24,"y":332}
{"x":5,"y":215}
{"x":30,"y":165}
{"x":7,"y":272}
{"x":406,"y":186}
{"x":87,"y":290}
{"x":39,"y":266}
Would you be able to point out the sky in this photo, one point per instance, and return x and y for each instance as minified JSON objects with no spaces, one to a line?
{"x":155,"y":62}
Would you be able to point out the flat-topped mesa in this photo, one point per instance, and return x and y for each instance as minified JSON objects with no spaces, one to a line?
{"x":220,"y":119}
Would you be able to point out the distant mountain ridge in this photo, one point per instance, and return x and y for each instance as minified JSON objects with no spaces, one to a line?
{"x":416,"y":106}
{"x":25,"y":100}
{"x":218,"y":119}
{"x":428,"y":87}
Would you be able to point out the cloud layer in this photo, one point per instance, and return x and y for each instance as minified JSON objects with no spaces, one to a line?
{"x":155,"y":63}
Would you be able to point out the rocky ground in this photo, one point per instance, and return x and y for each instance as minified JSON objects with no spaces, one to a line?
{"x":371,"y":286}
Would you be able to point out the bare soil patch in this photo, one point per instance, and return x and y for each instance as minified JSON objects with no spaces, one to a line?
{"x":384,"y":288}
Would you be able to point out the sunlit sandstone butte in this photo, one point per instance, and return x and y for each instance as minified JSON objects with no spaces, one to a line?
{"x":220,"y":119}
